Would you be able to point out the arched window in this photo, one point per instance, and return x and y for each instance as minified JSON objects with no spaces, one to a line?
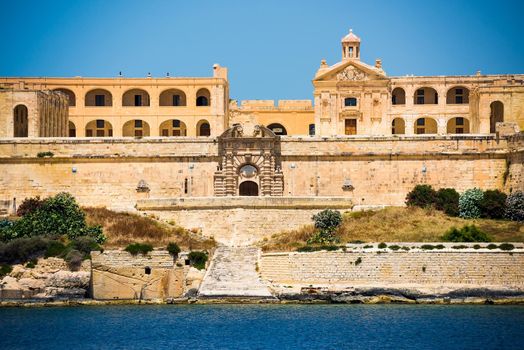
{"x":203,"y":97}
{"x":173,"y":127}
{"x":458,"y":125}
{"x":278,"y":129}
{"x":72,"y":129}
{"x":496,"y":115}
{"x":398,"y":126}
{"x":425,"y":96}
{"x":203,"y":128}
{"x":99,"y":128}
{"x":425,"y":126}
{"x":136,"y":128}
{"x":135,"y":98}
{"x":71,"y":98}
{"x":20,"y":121}
{"x":311,"y":129}
{"x":398,"y":96}
{"x":173,"y":97}
{"x":350,"y":102}
{"x":147,"y":270}
{"x":98,"y":98}
{"x":457,"y":95}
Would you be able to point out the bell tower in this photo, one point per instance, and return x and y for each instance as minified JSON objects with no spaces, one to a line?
{"x":350,"y":47}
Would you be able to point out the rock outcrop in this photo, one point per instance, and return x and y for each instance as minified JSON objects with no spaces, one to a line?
{"x":49,"y":279}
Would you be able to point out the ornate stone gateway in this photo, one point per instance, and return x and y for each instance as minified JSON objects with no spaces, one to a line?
{"x":249,"y":163}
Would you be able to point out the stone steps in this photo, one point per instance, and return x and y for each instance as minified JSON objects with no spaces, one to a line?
{"x":232,"y":273}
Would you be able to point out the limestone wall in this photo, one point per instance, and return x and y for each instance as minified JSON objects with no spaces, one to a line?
{"x":106,"y":172}
{"x":515,"y":166}
{"x":117,"y":274}
{"x":438,"y":269}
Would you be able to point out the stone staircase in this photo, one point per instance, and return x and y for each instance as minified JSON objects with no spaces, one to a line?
{"x":232,"y":273}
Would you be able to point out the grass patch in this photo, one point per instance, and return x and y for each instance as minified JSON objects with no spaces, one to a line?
{"x":398,"y":224}
{"x":122,"y":229}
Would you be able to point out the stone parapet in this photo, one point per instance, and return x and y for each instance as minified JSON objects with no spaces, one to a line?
{"x":245,"y":202}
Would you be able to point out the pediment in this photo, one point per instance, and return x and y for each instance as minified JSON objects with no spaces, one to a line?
{"x":351,"y":71}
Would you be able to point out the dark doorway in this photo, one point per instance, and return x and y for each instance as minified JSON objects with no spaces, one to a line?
{"x":248,"y":188}
{"x":21,"y":122}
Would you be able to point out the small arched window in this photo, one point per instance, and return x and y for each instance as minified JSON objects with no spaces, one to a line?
{"x":350,"y":102}
{"x":147,"y":270}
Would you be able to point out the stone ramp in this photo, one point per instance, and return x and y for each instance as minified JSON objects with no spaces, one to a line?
{"x":232,"y":273}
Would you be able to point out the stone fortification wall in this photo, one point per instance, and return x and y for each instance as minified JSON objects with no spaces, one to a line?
{"x":436,"y":269}
{"x":515,"y":170}
{"x":244,"y":220}
{"x":116,"y":274}
{"x":106,"y":172}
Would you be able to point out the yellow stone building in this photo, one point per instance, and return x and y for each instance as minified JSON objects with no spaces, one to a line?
{"x":350,"y":98}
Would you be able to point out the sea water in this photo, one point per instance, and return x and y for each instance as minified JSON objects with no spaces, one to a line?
{"x":264,"y":327}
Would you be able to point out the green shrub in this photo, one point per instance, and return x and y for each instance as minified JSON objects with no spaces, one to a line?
{"x":173,"y":249}
{"x":54,"y":248}
{"x":31,"y":264}
{"x":5,"y":269}
{"x":20,"y":250}
{"x":29,"y":205}
{"x":307,"y":249}
{"x":492,"y":246}
{"x":358,"y":261}
{"x":405,"y":248}
{"x":327,"y":219}
{"x":515,"y":206}
{"x":57,"y":216}
{"x":74,"y":259}
{"x":85,"y":244}
{"x":461,"y":246}
{"x":421,"y":196}
{"x":468,"y":233}
{"x":493,"y":204}
{"x":469,"y":203}
{"x":476,"y":246}
{"x":448,"y":201}
{"x":312,"y":248}
{"x":367,"y":246}
{"x":5,"y":230}
{"x":326,"y":223}
{"x":394,"y":247}
{"x":427,"y":247}
{"x":198,"y":259}
{"x":506,"y":246}
{"x":439,"y":246}
{"x":135,"y":248}
{"x":382,"y":245}
{"x":46,"y":154}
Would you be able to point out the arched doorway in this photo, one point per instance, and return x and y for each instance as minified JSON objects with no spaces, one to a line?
{"x":496,"y":115}
{"x":277,"y":128}
{"x":21,"y":122}
{"x":248,"y":188}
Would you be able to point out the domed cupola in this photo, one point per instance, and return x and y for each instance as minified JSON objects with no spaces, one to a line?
{"x":351,"y":46}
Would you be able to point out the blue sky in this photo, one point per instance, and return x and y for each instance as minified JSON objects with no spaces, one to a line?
{"x":272,"y":48}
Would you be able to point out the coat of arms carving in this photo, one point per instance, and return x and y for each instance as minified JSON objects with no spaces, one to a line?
{"x":350,"y":73}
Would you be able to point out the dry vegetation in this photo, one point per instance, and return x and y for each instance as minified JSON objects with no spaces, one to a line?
{"x":122,"y":229}
{"x":397,"y":225}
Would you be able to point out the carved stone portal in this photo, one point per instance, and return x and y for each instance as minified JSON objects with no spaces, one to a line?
{"x":249,"y":159}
